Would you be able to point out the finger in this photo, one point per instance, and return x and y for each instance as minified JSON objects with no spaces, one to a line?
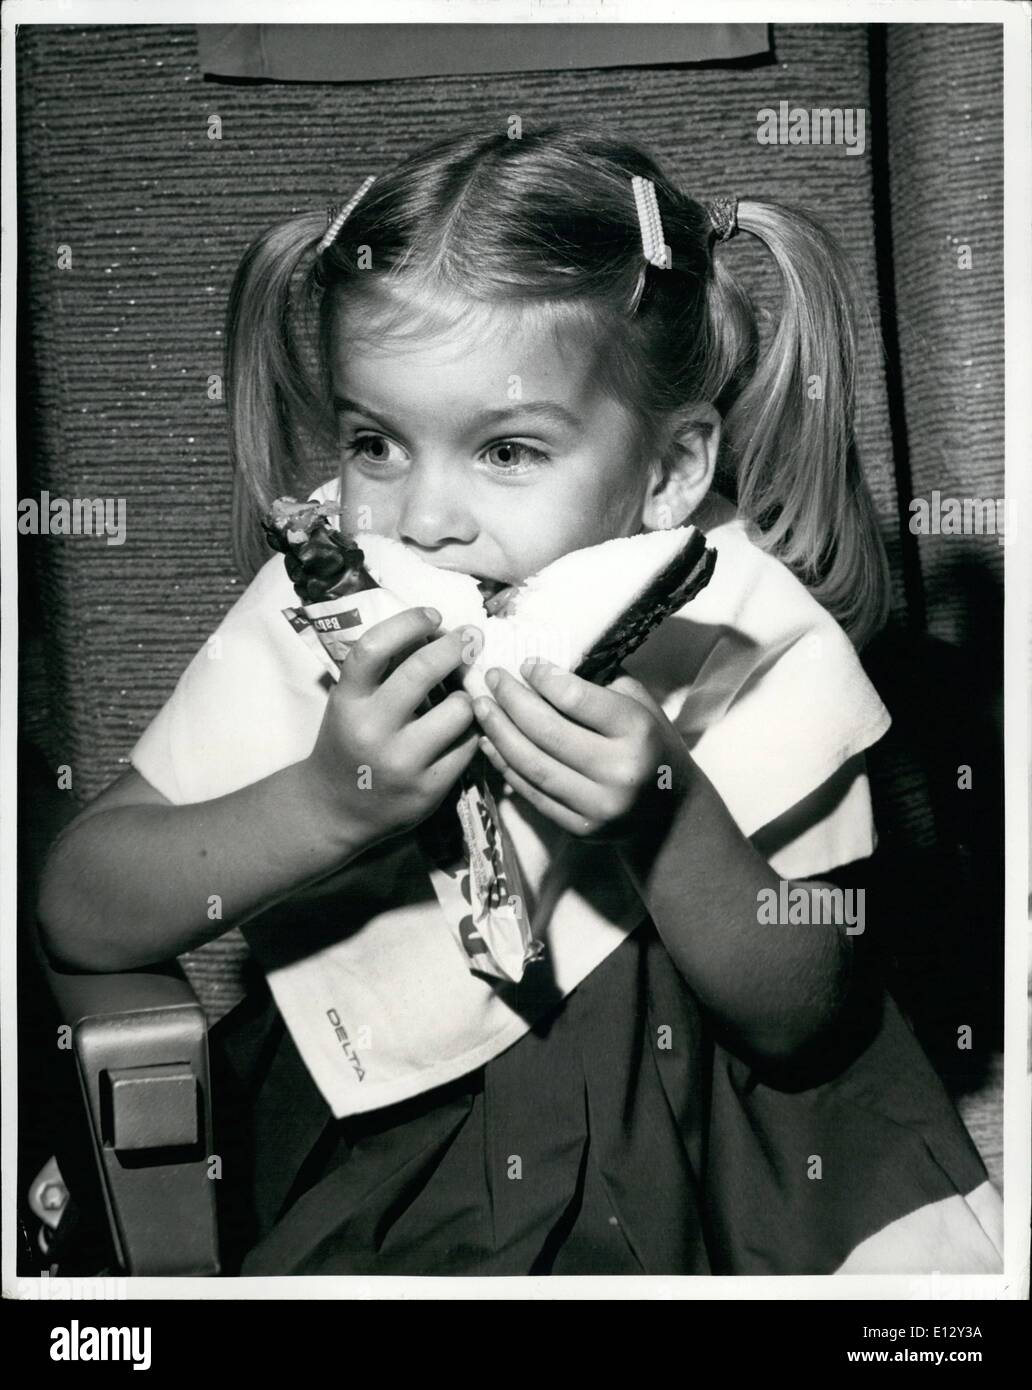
{"x":590,"y":705}
{"x":450,"y":766}
{"x":567,"y":742}
{"x":386,"y":641}
{"x":432,"y":733}
{"x":547,"y":805}
{"x":410,"y":684}
{"x":536,"y":767}
{"x":627,"y":685}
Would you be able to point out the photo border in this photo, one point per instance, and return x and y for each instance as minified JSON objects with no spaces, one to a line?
{"x":1015,"y":21}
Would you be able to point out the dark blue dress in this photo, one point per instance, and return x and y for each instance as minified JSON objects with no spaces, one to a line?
{"x":618,"y":1137}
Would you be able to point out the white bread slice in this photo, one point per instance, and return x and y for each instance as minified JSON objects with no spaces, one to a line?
{"x":585,"y":612}
{"x":415,"y":583}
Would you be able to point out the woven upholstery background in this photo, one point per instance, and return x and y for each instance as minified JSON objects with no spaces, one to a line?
{"x":943,"y":104}
{"x":946,"y":157}
{"x":116,"y":163}
{"x":944,"y":95}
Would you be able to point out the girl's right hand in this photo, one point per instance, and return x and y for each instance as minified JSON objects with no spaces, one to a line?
{"x":379,"y":765}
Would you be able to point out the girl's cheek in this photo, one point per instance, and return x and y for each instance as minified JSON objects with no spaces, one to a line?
{"x":531,"y":549}
{"x":368,"y":508}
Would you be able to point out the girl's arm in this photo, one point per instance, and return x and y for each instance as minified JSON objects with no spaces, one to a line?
{"x":607,"y":763}
{"x":775,"y":987}
{"x":135,"y":880}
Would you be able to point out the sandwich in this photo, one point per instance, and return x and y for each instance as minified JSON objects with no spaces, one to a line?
{"x":586,"y":612}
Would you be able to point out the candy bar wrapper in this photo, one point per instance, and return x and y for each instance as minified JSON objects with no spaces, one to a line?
{"x":337,"y":622}
{"x":304,"y":629}
{"x":477,"y":881}
{"x":482,"y":896}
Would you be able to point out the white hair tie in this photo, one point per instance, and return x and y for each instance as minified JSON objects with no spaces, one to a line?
{"x":333,"y":230}
{"x":653,"y":245}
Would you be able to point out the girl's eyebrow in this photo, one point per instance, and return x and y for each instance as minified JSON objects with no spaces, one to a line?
{"x":342,"y":404}
{"x":543,"y":410}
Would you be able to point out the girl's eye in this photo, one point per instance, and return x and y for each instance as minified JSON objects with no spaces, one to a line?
{"x":370,"y":448}
{"x":510,"y":456}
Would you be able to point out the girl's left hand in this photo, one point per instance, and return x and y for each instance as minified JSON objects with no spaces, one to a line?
{"x":603,"y":763}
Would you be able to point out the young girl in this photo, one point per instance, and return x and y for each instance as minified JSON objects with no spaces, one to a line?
{"x":525,"y":347}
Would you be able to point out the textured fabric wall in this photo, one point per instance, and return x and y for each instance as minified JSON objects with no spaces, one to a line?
{"x":116,"y":164}
{"x":945,"y":156}
{"x":945,"y":102}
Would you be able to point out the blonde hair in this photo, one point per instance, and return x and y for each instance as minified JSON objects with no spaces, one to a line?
{"x":550,"y":221}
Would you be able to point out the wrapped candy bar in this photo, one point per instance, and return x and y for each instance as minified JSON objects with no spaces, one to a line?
{"x":339,"y":596}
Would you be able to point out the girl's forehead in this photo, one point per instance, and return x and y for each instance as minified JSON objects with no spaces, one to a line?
{"x":464,"y":345}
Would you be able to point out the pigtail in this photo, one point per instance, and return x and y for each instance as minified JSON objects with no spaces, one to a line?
{"x":790,"y":427}
{"x":269,"y":388}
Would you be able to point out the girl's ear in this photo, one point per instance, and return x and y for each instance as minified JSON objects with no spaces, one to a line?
{"x":684,"y":474}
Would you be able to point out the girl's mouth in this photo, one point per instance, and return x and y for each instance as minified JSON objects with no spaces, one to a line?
{"x":496,"y":594}
{"x":489,"y":587}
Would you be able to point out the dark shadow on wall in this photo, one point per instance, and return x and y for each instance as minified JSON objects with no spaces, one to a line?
{"x":937,"y":782}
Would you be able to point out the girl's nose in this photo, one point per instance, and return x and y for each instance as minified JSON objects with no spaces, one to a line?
{"x":434,"y":511}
